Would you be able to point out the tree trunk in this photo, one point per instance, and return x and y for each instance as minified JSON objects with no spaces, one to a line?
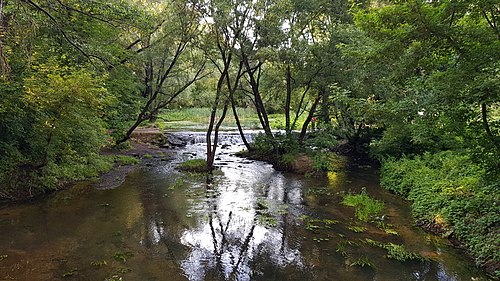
{"x":4,"y":65}
{"x":486,"y":126}
{"x":212,"y":148}
{"x":308,"y":119}
{"x":288,"y":99}
{"x":325,"y":108}
{"x":238,"y":124}
{"x":259,"y":104}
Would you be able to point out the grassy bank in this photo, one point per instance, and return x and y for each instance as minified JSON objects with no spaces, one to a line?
{"x":54,"y":177}
{"x":452,"y":196}
{"x":198,"y":119}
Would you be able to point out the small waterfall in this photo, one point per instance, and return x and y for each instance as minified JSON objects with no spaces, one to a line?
{"x":228,"y":138}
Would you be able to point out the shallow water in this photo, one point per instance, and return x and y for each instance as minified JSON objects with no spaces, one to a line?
{"x":247,"y":222}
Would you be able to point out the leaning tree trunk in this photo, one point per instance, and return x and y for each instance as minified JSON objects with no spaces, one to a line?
{"x":308,"y":119}
{"x":259,"y":104}
{"x":238,"y":124}
{"x":212,"y":147}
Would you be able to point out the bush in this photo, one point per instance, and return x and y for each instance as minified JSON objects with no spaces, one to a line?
{"x":280,"y":144}
{"x":449,"y":190}
{"x":325,"y":138}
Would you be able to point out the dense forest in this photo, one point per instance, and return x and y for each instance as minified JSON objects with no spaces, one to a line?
{"x":414,"y":85}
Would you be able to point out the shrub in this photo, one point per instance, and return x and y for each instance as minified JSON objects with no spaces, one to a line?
{"x":449,"y":190}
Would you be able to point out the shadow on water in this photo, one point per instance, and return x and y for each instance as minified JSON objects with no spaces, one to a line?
{"x":244,"y":222}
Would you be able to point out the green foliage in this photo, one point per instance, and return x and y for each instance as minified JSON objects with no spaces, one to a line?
{"x":326,"y":161}
{"x":123,"y":103}
{"x":365,"y":206}
{"x":281,"y":144}
{"x":322,"y":162}
{"x":450,"y":190}
{"x":58,"y":113}
{"x":325,"y":138}
{"x":194,"y":165}
{"x":288,"y":159}
{"x":317,"y":224}
{"x":99,"y":263}
{"x":357,"y":229}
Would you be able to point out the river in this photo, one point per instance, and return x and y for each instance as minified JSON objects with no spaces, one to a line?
{"x":246,"y":222}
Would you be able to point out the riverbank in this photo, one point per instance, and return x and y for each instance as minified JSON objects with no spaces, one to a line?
{"x":454,"y":197}
{"x":109,"y":169}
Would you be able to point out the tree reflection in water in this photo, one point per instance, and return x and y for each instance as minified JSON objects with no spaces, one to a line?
{"x":231,"y":240}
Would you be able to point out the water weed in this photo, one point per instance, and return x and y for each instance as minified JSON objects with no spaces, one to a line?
{"x":362,"y":261}
{"x":194,"y":165}
{"x":365,"y":206}
{"x":395,"y":251}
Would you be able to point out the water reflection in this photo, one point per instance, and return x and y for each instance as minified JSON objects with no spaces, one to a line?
{"x":232,"y":231}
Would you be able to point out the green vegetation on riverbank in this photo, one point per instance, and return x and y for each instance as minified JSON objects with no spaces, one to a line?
{"x":453,"y":196}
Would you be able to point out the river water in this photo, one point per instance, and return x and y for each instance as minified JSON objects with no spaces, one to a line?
{"x":246,"y":222}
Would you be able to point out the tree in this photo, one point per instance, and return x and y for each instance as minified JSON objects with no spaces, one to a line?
{"x":52,"y":53}
{"x":226,"y":20}
{"x":441,"y":58}
{"x":164,"y":73}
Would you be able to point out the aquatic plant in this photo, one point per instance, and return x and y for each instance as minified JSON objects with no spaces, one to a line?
{"x":99,"y":263}
{"x":268,"y":220}
{"x":365,"y":206}
{"x":398,"y":252}
{"x":341,"y":248}
{"x":114,"y":278}
{"x":70,"y":273}
{"x":395,"y":251}
{"x":319,"y":191}
{"x":362,"y":261}
{"x":317,"y":224}
{"x":357,"y":228}
{"x":123,"y":256}
{"x":320,"y":239}
{"x":194,"y":165}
